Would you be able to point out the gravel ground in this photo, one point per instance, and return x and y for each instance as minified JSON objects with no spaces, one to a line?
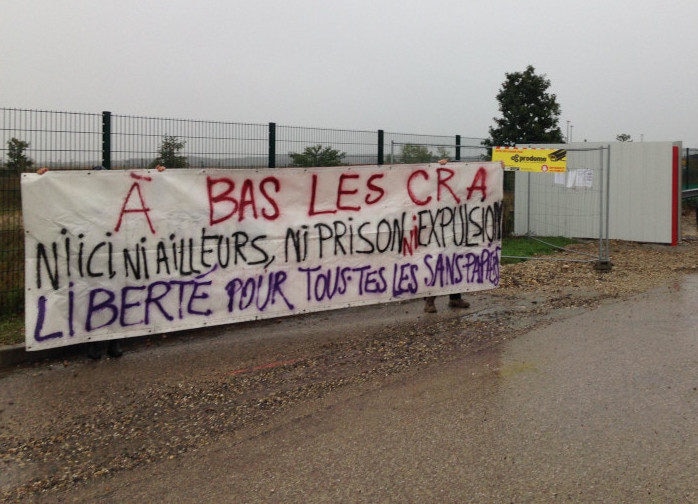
{"x":65,"y":423}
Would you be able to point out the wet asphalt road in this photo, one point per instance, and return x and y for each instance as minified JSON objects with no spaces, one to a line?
{"x":600,"y":407}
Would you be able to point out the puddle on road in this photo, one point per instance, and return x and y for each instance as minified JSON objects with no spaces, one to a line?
{"x":519,"y":357}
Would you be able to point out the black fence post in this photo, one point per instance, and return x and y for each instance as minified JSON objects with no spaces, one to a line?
{"x":272,"y":145}
{"x":106,"y":140}
{"x":380,"y":147}
{"x":457,"y":147}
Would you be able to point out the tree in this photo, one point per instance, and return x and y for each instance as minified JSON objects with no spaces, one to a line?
{"x":169,"y":153}
{"x":442,"y":153}
{"x":16,"y":160}
{"x":624,"y":137}
{"x":529,"y":113}
{"x":317,"y":155}
{"x":412,"y":153}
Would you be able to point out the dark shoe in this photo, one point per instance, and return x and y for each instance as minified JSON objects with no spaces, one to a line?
{"x":429,"y":306}
{"x":458,"y":303}
{"x":114,"y":349}
{"x":94,"y":350}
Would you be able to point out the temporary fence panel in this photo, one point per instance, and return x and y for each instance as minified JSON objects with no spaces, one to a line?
{"x":565,"y":204}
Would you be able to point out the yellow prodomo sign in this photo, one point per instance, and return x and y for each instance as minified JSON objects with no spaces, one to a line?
{"x":531,"y":160}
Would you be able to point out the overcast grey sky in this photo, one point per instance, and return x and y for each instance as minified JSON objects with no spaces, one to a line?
{"x":431,"y":67}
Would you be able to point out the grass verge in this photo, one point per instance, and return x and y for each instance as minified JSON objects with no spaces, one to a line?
{"x":11,"y":329}
{"x":518,"y":247}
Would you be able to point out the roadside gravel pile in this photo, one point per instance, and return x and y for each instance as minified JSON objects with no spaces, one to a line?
{"x":68,"y":423}
{"x":635,"y":268}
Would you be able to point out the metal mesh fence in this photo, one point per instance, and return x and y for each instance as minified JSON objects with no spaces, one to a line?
{"x":409,"y":148}
{"x":136,"y":142}
{"x":11,"y":244}
{"x":359,"y":147}
{"x":534,"y":204}
{"x":30,"y":139}
{"x":57,"y":140}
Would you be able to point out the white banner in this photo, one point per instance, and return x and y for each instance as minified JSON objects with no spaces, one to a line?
{"x":113,"y":254}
